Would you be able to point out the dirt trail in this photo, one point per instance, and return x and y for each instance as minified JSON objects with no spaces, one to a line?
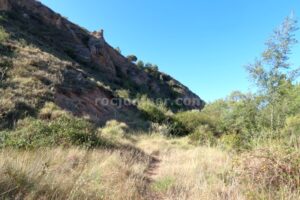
{"x":154,"y":165}
{"x":152,"y":172}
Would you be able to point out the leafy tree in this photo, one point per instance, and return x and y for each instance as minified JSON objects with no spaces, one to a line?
{"x":132,"y":58}
{"x":217,"y":111}
{"x":140,"y":64}
{"x":148,"y":65}
{"x":242,"y":114}
{"x":151,"y":68}
{"x":273,"y":74}
{"x":155,"y":67}
{"x":237,"y":114}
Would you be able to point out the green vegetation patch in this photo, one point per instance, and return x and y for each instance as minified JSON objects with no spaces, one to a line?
{"x":158,"y":113}
{"x":62,"y":131}
{"x":3,"y":35}
{"x":163,"y":184}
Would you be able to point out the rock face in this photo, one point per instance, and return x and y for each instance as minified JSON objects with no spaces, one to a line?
{"x":92,"y":57}
{"x":99,"y":54}
{"x":4,"y":5}
{"x":88,"y":47}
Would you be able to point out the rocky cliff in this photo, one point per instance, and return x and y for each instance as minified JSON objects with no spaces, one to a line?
{"x":72,"y":67}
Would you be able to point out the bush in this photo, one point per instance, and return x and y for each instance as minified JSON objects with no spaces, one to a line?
{"x":193,"y":119}
{"x":3,"y":35}
{"x":158,"y":113}
{"x":290,"y":134}
{"x":199,"y":125}
{"x":153,"y":112}
{"x":65,"y":130}
{"x":271,"y":168}
{"x":113,"y":130}
{"x":140,"y":64}
{"x":132,"y":58}
{"x":293,"y":125}
{"x":231,"y":142}
{"x":51,"y":111}
{"x":176,"y":128}
{"x":203,"y":135}
{"x":5,"y":65}
{"x":125,"y":94}
{"x":161,"y":129}
{"x":151,"y":66}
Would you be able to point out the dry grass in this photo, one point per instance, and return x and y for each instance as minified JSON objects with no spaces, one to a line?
{"x":270,"y":174}
{"x":210,"y":173}
{"x":30,"y":79}
{"x":51,"y":111}
{"x":188,"y":172}
{"x":113,"y":131}
{"x":72,"y":174}
{"x":181,"y":171}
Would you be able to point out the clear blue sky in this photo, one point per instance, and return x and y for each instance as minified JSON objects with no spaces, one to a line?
{"x":205,"y":44}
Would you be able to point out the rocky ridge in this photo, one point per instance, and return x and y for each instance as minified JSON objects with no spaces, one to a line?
{"x":86,"y":60}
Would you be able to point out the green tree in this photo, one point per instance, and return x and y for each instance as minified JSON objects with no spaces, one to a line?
{"x":242,"y":113}
{"x":140,"y":64}
{"x":273,"y":74}
{"x":237,"y":114}
{"x":294,"y":94}
{"x":132,"y":58}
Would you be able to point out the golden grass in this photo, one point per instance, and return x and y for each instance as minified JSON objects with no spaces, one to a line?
{"x":179,"y":171}
{"x":71,"y":174}
{"x":189,"y":172}
{"x":211,"y":173}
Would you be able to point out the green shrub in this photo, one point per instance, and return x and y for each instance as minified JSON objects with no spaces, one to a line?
{"x":164,"y":184}
{"x":51,"y":111}
{"x":158,"y":113}
{"x":153,"y":112}
{"x":125,"y":94}
{"x":176,"y":128}
{"x":203,"y":135}
{"x":5,"y":66}
{"x":231,"y":141}
{"x":140,"y":64}
{"x":290,"y":134}
{"x":161,"y":129}
{"x":151,"y":67}
{"x":293,"y":125}
{"x":3,"y":35}
{"x":71,"y":53}
{"x":193,"y":119}
{"x":199,"y":125}
{"x":113,"y":130}
{"x":132,"y":58}
{"x":65,"y":130}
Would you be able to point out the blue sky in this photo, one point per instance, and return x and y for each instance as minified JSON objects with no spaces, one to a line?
{"x":205,"y":44}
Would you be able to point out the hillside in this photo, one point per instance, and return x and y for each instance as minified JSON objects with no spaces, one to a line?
{"x":79,"y":120}
{"x":49,"y":59}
